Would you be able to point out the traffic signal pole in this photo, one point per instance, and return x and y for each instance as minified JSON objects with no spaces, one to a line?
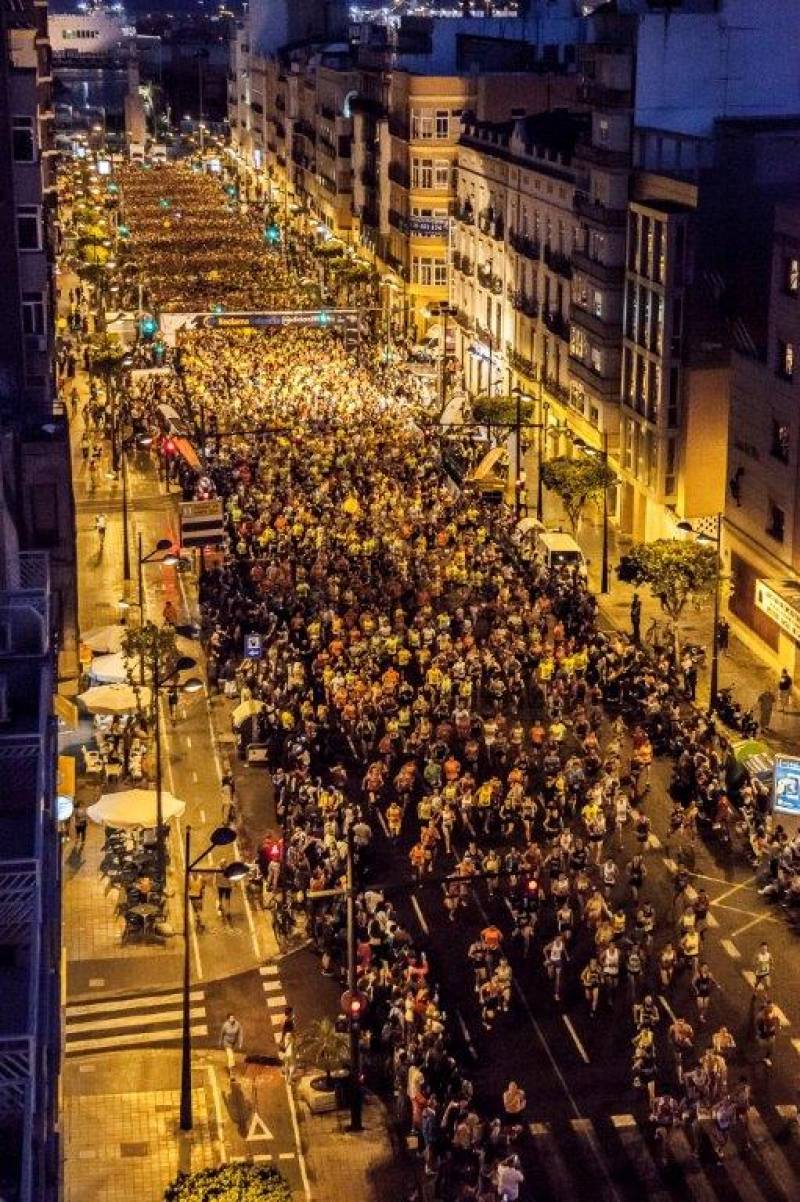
{"x":356,"y":1096}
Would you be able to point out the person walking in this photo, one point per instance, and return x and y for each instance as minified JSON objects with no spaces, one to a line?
{"x":766,"y":704}
{"x":766,"y":1031}
{"x":81,"y":820}
{"x":784,"y":690}
{"x":636,"y":619}
{"x":100,"y":525}
{"x":231,"y":1038}
{"x":224,"y":891}
{"x":762,"y":969}
{"x":197,"y":888}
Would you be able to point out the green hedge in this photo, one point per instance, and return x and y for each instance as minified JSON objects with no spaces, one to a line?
{"x":230,"y":1183}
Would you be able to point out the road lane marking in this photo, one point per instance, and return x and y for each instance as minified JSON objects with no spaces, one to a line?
{"x":551,"y":1160}
{"x":752,"y":923}
{"x":143,"y":1003}
{"x":667,"y":1007}
{"x":731,"y":948}
{"x":268,"y":970}
{"x":575,"y":1039}
{"x":271,"y":986}
{"x":103,"y":1042}
{"x":585,"y":1131}
{"x":782,"y":1019}
{"x":711,"y":921}
{"x":467,"y":1037}
{"x":639,"y":1155}
{"x":420,"y":915}
{"x":300,"y":1157}
{"x":750,"y":977}
{"x":276,"y":1002}
{"x":215,"y":1093}
{"x":694,"y":1178}
{"x":189,"y":741}
{"x":669,"y":864}
{"x":777,"y":1165}
{"x":195,"y":779}
{"x":734,"y":889}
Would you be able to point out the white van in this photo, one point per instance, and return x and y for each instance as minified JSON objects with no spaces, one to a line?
{"x":558,"y":549}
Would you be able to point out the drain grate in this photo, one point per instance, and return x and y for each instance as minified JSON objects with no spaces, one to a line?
{"x":141,"y":1149}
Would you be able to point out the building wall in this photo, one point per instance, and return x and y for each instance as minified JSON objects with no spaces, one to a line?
{"x":96,"y":32}
{"x":694,"y":67}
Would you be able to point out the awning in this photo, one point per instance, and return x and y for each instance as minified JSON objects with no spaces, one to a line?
{"x":490,"y":461}
{"x":185,"y":449}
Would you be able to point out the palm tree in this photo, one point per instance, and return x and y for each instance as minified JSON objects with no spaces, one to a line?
{"x":324,"y":1047}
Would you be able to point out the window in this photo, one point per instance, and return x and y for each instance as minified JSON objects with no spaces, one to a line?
{"x":776,"y":521}
{"x":791,"y":276}
{"x":597,"y":303}
{"x":674,"y":397}
{"x":32,"y":313}
{"x":29,"y":230}
{"x":577,"y":342}
{"x":22,"y":138}
{"x":442,"y":123}
{"x":602,"y":130}
{"x":422,"y":173}
{"x":421,"y":124}
{"x":596,"y":359}
{"x":670,"y":482}
{"x":780,"y":441}
{"x":785,"y":366}
{"x":441,"y":174}
{"x":429,"y":273}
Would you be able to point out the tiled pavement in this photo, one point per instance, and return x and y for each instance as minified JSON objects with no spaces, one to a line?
{"x":136,"y":1153}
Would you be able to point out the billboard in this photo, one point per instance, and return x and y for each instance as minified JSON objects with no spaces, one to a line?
{"x":787,"y":785}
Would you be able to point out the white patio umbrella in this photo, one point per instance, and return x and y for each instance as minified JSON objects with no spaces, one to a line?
{"x":104,"y":640}
{"x":134,"y":807}
{"x":109,"y":669}
{"x":114,"y":699}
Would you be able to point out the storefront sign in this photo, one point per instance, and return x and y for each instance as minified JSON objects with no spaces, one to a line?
{"x":253,"y":646}
{"x":772,"y":600}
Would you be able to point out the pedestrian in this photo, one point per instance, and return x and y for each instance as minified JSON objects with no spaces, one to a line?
{"x":286,"y":1042}
{"x":228,"y":787}
{"x":636,"y":619}
{"x":762,"y":968}
{"x":703,"y":985}
{"x":231,"y":1038}
{"x":81,"y":820}
{"x":224,"y":891}
{"x":514,"y":1100}
{"x":172,"y":703}
{"x":723,"y":635}
{"x":766,"y":704}
{"x":784,"y":690}
{"x":689,"y":669}
{"x":766,"y":1031}
{"x":509,"y":1179}
{"x":197,"y":888}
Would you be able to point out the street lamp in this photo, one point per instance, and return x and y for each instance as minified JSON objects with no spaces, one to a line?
{"x":578,"y":442}
{"x":222,"y":836}
{"x":444,"y":310}
{"x":168,"y":560}
{"x":716,"y":540}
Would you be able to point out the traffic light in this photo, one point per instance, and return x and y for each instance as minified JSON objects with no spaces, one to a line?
{"x":355,"y":1009}
{"x":148,"y":326}
{"x":272,"y":235}
{"x":324,"y":319}
{"x":217,"y":309}
{"x":123,"y":231}
{"x":169,"y":447}
{"x":165,"y":203}
{"x":274,"y":851}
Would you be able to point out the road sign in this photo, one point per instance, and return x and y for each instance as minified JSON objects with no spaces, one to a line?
{"x":253,"y":646}
{"x":202,"y":524}
{"x":258,"y":1129}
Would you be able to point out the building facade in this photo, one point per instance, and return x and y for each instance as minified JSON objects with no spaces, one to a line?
{"x":762,"y":511}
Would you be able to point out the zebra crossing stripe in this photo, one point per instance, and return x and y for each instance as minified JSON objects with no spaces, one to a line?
{"x":695,"y":1181}
{"x":130,"y":1003}
{"x":584,"y":1129}
{"x":132,"y":1021}
{"x":268,"y":970}
{"x":639,"y":1155}
{"x":105,"y":1042}
{"x":276,"y":1002}
{"x":107,"y":1024}
{"x":551,"y":1160}
{"x":773,"y":1158}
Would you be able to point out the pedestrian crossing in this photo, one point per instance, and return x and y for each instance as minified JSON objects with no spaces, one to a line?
{"x":148,"y":1019}
{"x":619,"y":1160}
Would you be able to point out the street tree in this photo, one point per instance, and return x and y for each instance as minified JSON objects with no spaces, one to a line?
{"x":577,"y":482}
{"x":324,"y":1047}
{"x":678,"y":573}
{"x":501,"y":410}
{"x":240,"y":1182}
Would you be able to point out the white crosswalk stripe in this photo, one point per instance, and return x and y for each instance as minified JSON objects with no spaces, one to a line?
{"x":122,"y":1022}
{"x":614,"y":1159}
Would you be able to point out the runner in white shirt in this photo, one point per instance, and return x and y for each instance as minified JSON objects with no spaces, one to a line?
{"x":509,"y":1179}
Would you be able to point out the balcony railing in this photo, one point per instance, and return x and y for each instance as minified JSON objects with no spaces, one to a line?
{"x":558,"y":262}
{"x":524,"y":245}
{"x":600,"y":329}
{"x":305,"y":130}
{"x":491,"y":223}
{"x":609,"y":274}
{"x":485,"y":335}
{"x":523,"y":303}
{"x":464,"y":213}
{"x":593,"y":210}
{"x":520,"y":363}
{"x":488,"y":279}
{"x":603,"y":155}
{"x":398,"y":174}
{"x":604,"y":386}
{"x":464,"y":320}
{"x":557,"y":325}
{"x":466,"y":266}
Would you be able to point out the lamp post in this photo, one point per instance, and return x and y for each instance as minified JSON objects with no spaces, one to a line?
{"x":716,"y":539}
{"x":222,"y":836}
{"x":169,"y":560}
{"x":578,"y":442}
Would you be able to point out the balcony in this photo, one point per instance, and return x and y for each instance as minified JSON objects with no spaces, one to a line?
{"x":599,"y":97}
{"x":521,"y":364}
{"x":304,"y":129}
{"x":485,"y":335}
{"x":398,"y":174}
{"x":465,"y":266}
{"x":557,"y":325}
{"x":398,"y":221}
{"x":524,"y":245}
{"x":603,"y":156}
{"x":606,"y":387}
{"x":593,"y":210}
{"x":491,"y":223}
{"x":464,"y":320}
{"x":464,"y":213}
{"x":600,"y":329}
{"x":558,"y":262}
{"x":522,"y":303}
{"x":488,"y":279}
{"x":605,"y":272}
{"x":327,"y":112}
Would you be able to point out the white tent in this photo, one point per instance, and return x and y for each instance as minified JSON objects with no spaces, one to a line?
{"x":109,"y":669}
{"x":134,"y":807}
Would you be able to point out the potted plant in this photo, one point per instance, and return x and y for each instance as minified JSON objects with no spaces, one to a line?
{"x":326,"y":1051}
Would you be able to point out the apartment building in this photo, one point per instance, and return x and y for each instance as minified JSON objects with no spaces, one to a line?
{"x":762,"y":509}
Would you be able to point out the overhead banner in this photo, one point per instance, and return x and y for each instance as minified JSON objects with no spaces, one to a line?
{"x":787,"y":785}
{"x":202,"y":524}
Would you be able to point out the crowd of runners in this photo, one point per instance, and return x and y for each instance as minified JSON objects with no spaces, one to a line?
{"x":428,"y":685}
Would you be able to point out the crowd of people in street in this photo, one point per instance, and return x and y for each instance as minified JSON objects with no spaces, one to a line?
{"x":428,"y":686}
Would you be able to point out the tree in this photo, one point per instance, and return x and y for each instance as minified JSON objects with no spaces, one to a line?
{"x":576,"y":482}
{"x":677,"y":572}
{"x":238,"y":1182}
{"x":501,"y":410}
{"x":324,"y":1047}
{"x":151,"y":652}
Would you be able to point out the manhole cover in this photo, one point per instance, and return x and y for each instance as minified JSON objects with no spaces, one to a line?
{"x":134,"y":1149}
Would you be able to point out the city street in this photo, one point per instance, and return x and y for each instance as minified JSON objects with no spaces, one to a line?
{"x":400,"y":633}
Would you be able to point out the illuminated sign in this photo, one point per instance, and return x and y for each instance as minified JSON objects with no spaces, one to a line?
{"x":260,"y":321}
{"x":786,"y":788}
{"x":772,"y":599}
